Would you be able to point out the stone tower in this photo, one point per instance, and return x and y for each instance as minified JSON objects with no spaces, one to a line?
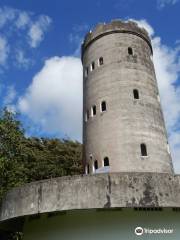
{"x":123,"y":125}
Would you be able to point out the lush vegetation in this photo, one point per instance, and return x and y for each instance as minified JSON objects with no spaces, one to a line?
{"x":23,"y":159}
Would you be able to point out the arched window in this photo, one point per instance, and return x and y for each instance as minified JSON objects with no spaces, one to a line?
{"x":92,"y":66}
{"x":136,"y":94}
{"x":143,"y":150}
{"x":103,"y":106}
{"x":101,"y":61}
{"x":130,"y":51}
{"x":95,"y":164}
{"x":93,"y":110}
{"x":106,"y":162}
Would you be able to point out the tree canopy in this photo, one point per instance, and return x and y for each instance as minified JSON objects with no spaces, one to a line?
{"x":24,"y":159}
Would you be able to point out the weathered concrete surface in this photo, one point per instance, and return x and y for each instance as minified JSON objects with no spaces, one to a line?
{"x":127,"y":122}
{"x":115,"y":26}
{"x":115,"y":190}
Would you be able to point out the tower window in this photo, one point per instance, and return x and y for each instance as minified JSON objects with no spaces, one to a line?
{"x":86,"y":71}
{"x":106,"y":162}
{"x":92,"y":66}
{"x":103,"y":106}
{"x":130,"y":51}
{"x":143,"y":150}
{"x":158,"y":98}
{"x":168,"y":148}
{"x":87,"y":115}
{"x":95,"y":164}
{"x":93,"y":110}
{"x":136,"y":94}
{"x":101,"y":61}
{"x":87,"y":169}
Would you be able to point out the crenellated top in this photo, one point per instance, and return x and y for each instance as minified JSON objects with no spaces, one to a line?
{"x":115,"y":26}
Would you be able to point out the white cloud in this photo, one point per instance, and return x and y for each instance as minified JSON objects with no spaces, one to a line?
{"x":144,"y":24}
{"x":23,"y":20}
{"x":21,"y":60}
{"x":162,"y":3}
{"x":76,"y":38}
{"x":54,"y":99}
{"x":4,"y":50}
{"x":10,"y":95}
{"x":167,"y":67}
{"x":37,"y":30}
{"x":20,"y":29}
{"x":6,"y":15}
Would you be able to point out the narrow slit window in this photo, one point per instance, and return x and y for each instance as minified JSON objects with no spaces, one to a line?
{"x":143,"y":150}
{"x":92,"y":66}
{"x":101,"y":62}
{"x":168,"y":149}
{"x":86,"y":71}
{"x":88,"y":171}
{"x":86,"y":117}
{"x":136,"y":94}
{"x":130,"y":51}
{"x":87,"y":114}
{"x":103,"y":106}
{"x":93,"y":110}
{"x":95,"y":164}
{"x":93,"y":168}
{"x":158,"y":98}
{"x":106,"y":162}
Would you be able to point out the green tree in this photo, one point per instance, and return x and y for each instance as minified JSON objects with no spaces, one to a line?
{"x":25,"y":160}
{"x":49,"y":158}
{"x":11,"y":145}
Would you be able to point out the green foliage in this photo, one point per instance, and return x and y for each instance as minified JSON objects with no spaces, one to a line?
{"x":11,"y":145}
{"x":50,"y":158}
{"x":24,"y":159}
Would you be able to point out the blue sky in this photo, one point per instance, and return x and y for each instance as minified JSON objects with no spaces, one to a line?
{"x":40,"y":43}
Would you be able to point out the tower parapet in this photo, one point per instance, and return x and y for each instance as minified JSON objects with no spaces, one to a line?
{"x":116,"y":26}
{"x":123,"y":124}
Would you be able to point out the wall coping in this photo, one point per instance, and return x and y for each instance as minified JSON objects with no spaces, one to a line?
{"x":99,"y":191}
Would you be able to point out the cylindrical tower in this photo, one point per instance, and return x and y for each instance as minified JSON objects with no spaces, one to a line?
{"x":123,"y":125}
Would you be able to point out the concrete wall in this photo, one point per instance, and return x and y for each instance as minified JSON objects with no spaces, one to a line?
{"x":92,"y":192}
{"x":118,"y":132}
{"x":107,"y":225}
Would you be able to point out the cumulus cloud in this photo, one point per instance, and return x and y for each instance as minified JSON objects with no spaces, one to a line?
{"x":54,"y":99}
{"x":37,"y":30}
{"x":4,"y":50}
{"x":20,"y":29}
{"x":162,"y":3}
{"x":167,"y":66}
